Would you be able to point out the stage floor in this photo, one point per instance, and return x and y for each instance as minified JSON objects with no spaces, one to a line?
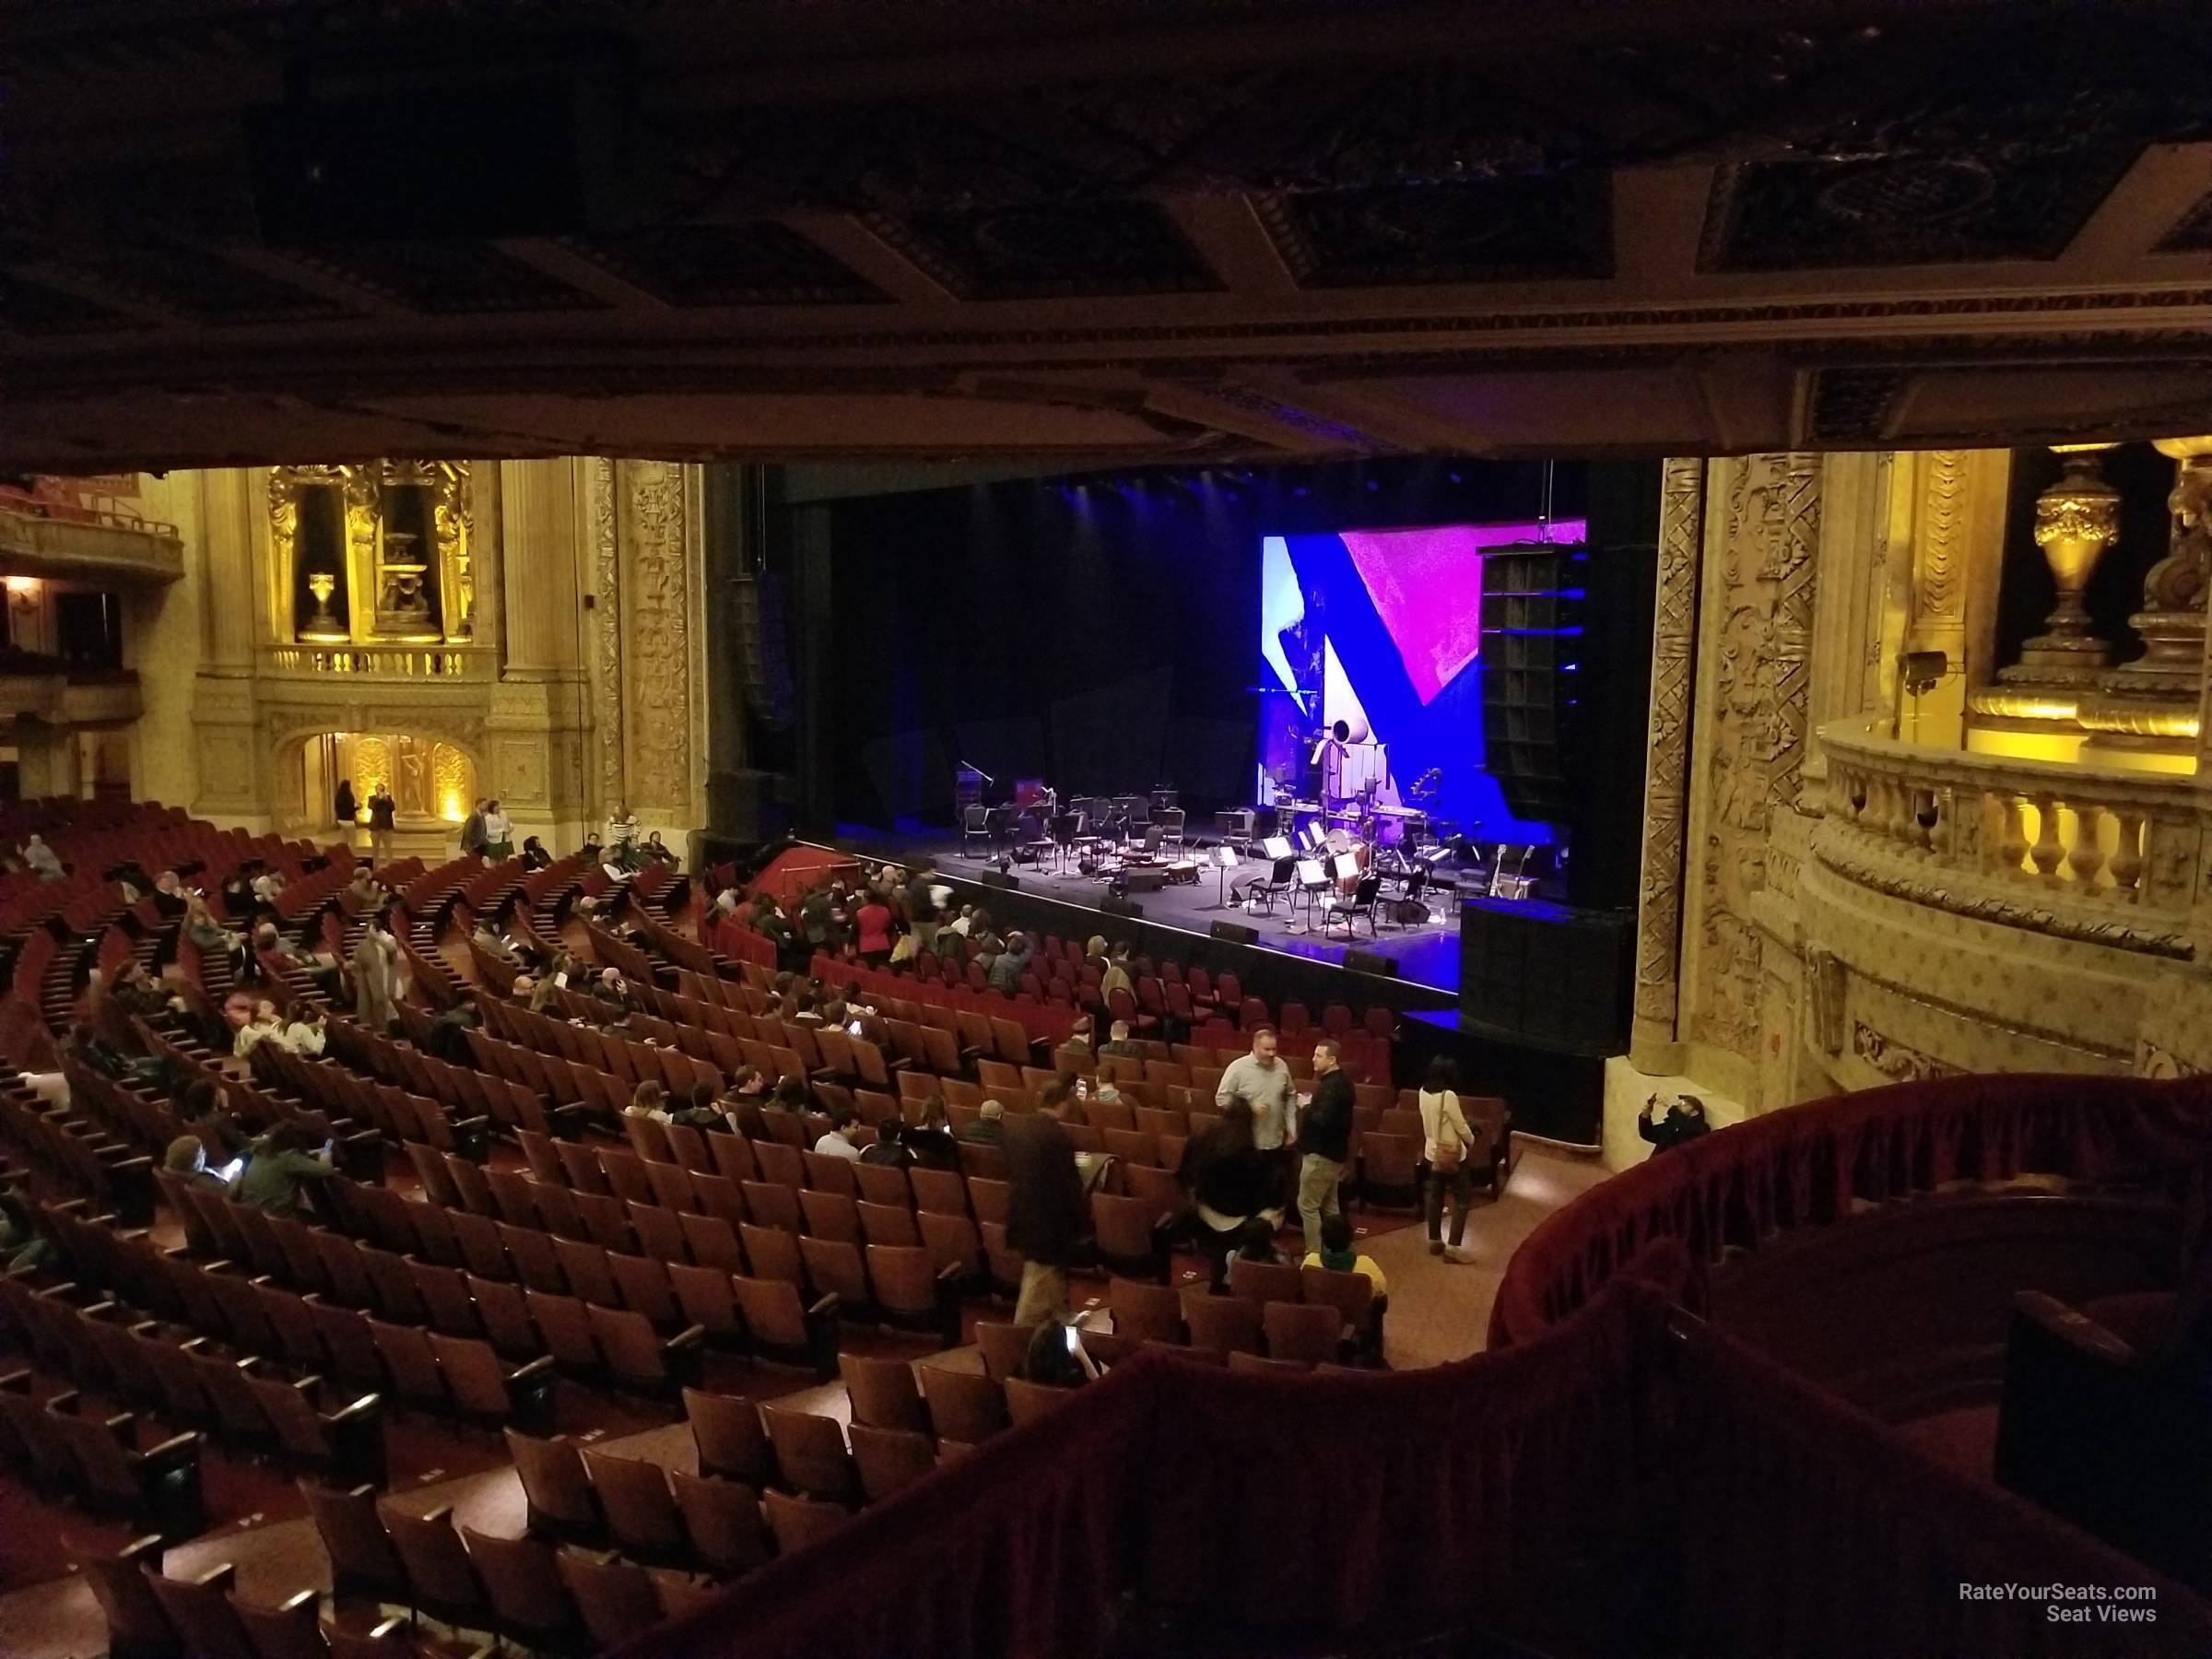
{"x":1426,"y":956}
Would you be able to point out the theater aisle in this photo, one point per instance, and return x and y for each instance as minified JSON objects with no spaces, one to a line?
{"x":1440,"y":1311}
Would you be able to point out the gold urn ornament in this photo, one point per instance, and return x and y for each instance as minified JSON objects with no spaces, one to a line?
{"x":2152,"y":702}
{"x":2077,"y":520}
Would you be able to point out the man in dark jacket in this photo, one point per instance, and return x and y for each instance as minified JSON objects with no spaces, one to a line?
{"x":1325,"y":1132}
{"x":920,"y":904}
{"x":1682,"y":1121}
{"x":1046,"y":1219}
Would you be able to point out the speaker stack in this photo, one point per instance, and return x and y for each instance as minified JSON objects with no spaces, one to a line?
{"x":1531,"y":656}
{"x":1545,"y":974}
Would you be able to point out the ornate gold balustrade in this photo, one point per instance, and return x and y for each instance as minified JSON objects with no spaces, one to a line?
{"x":417,"y":664}
{"x":2104,"y":855}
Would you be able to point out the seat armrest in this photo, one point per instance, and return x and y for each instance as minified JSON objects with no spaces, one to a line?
{"x":171,"y":1449}
{"x":366,"y":1405}
{"x":690,"y":1337}
{"x":223,"y":1577}
{"x":531,"y":1370}
{"x":2071,"y":1328}
{"x":144,"y":1551}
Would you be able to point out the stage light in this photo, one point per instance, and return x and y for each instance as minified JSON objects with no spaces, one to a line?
{"x":1453,"y":476}
{"x":1372,"y":485}
{"x":1299,"y":491}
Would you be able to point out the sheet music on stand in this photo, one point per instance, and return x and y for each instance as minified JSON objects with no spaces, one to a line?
{"x":968,"y":787}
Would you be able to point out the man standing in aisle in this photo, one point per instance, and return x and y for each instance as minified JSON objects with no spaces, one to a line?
{"x":383,"y":813}
{"x":922,"y":902}
{"x":1263,"y":1082}
{"x":1045,"y":1212}
{"x":1324,"y":1134}
{"x":471,"y":831}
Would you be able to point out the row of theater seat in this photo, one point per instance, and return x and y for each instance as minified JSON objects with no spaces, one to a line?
{"x":515,"y":1590}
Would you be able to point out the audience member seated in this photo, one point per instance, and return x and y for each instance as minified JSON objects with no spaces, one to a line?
{"x":279,"y":1163}
{"x":1235,"y":1190}
{"x":263,"y":1026}
{"x":699,"y":1111}
{"x":448,"y":1036}
{"x":202,"y":1108}
{"x":214,"y":939}
{"x":841,"y":1142}
{"x":987,"y":1128}
{"x":41,"y":860}
{"x":1056,"y":1357}
{"x":305,"y":1032}
{"x":187,"y":1161}
{"x":1010,"y":964}
{"x":930,"y":1139}
{"x":1339,"y":1254}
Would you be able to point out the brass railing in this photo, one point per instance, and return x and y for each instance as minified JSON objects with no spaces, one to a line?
{"x":2103,"y":854}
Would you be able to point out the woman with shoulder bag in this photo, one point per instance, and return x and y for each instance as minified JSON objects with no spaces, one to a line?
{"x":1449,"y":1139}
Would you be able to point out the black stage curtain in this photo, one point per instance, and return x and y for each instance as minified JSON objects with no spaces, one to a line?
{"x":1099,"y":633}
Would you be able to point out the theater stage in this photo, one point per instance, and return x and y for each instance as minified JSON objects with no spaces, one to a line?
{"x":1426,"y":956}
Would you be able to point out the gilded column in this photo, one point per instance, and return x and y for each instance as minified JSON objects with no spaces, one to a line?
{"x":1795,"y":573}
{"x":538,"y":565}
{"x":661,"y":573}
{"x":1957,"y":545}
{"x":1666,"y":783}
{"x":232,"y":762}
{"x":604,"y":647}
{"x":533,"y":549}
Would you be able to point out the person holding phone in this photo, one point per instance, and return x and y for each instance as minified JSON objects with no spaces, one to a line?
{"x":280,"y":1163}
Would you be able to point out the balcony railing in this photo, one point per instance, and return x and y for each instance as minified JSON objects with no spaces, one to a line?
{"x":53,"y":539}
{"x":434,"y":665}
{"x":2108,"y":856}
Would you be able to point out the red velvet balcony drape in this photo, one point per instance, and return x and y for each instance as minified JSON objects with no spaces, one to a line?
{"x":1813,"y":1531}
{"x":1805,"y":1165}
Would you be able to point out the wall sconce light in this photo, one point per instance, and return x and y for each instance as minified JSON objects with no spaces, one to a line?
{"x":22,"y":587}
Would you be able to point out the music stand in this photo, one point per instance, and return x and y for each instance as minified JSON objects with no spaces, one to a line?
{"x":1225,"y":859}
{"x":1312,"y":878}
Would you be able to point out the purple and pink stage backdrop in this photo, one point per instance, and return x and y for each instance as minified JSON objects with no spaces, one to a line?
{"x":1381,"y":630}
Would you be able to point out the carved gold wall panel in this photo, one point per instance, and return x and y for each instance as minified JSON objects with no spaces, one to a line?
{"x":1674,"y":651}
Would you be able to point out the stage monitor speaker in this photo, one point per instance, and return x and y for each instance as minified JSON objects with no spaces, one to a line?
{"x":1114,"y":905}
{"x":1236,"y":932}
{"x":1146,"y":880}
{"x":999,"y":878}
{"x":1370,"y":962}
{"x":1544,"y":974}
